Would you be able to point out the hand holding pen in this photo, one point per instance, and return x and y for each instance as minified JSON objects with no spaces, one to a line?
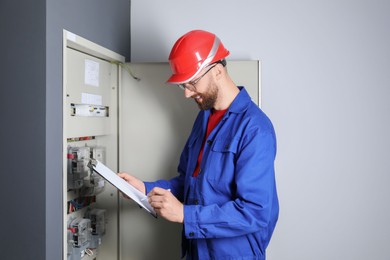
{"x":166,"y":204}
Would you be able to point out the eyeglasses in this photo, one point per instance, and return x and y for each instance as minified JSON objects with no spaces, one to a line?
{"x":191,"y":85}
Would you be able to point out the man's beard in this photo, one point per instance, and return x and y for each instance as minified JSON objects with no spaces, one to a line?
{"x":208,"y":98}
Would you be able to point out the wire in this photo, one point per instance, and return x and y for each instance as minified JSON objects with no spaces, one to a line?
{"x":127,"y":68}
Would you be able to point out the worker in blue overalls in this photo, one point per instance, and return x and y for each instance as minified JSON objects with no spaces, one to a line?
{"x":225,"y":192}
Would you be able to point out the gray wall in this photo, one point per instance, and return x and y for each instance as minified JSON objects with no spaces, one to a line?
{"x":31,"y":105}
{"x":325,"y":85}
{"x":22,"y":130}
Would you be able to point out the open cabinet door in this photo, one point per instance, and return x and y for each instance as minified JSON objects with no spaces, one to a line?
{"x":155,"y":120}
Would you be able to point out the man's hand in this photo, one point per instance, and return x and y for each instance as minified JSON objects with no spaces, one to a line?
{"x":166,"y":205}
{"x":137,"y":183}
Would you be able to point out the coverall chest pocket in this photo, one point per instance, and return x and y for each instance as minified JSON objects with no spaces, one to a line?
{"x":222,"y":159}
{"x":225,"y":146}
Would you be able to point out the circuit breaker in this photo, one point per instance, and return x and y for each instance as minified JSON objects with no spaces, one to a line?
{"x":78,"y":158}
{"x":79,"y":238}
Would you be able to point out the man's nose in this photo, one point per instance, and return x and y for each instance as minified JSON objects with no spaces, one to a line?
{"x":188,"y":93}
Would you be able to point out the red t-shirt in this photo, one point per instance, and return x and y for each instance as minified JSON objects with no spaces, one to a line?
{"x":214,"y":118}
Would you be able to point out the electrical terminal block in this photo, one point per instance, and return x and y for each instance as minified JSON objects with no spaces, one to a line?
{"x":98,"y":226}
{"x":95,"y":183}
{"x":81,"y":230}
{"x":80,"y":203}
{"x":88,"y":110}
{"x":78,"y":158}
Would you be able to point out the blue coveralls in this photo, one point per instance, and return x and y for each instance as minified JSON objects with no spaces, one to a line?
{"x":231,"y":207}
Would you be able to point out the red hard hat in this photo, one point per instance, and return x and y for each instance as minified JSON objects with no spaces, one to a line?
{"x":192,"y":52}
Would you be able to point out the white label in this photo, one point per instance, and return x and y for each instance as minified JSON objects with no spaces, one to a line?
{"x":91,"y":99}
{"x":91,"y":73}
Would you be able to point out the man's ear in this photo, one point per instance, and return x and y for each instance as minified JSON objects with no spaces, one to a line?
{"x":219,"y":70}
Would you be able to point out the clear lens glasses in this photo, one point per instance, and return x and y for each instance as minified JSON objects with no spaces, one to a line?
{"x":191,"y":86}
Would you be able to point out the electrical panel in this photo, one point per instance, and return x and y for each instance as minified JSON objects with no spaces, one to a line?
{"x":90,"y":131}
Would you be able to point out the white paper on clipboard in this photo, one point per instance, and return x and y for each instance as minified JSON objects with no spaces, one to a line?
{"x":122,"y":185}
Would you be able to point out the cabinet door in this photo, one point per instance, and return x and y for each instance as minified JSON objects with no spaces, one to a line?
{"x":155,"y":120}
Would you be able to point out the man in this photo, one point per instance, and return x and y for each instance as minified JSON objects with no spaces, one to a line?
{"x":225,"y":193}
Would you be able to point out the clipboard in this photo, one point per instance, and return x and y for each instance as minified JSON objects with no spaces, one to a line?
{"x":122,"y":185}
